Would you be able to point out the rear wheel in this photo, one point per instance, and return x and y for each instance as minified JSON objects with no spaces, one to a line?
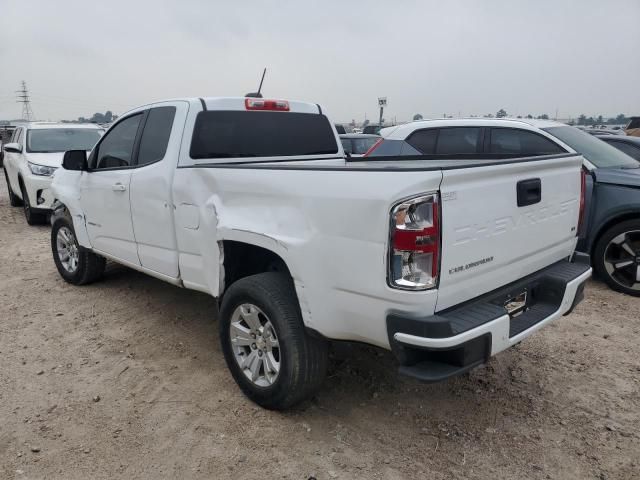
{"x":75,"y":264}
{"x":617,"y":257}
{"x":14,"y":201}
{"x":270,"y":355}
{"x":32,"y":217}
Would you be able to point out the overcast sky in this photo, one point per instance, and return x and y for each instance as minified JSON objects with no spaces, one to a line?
{"x":430,"y":57}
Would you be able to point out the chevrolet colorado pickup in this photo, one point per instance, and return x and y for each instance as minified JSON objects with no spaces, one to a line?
{"x":445,"y":261}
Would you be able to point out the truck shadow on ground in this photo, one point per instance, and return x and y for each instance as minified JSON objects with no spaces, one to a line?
{"x":360,"y":378}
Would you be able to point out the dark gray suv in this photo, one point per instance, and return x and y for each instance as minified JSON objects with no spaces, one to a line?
{"x":610,"y":231}
{"x":612,"y":216}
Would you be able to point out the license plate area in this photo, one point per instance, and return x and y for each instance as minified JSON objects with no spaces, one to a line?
{"x":516,"y":304}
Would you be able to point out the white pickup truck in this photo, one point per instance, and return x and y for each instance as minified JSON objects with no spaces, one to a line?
{"x":445,"y":261}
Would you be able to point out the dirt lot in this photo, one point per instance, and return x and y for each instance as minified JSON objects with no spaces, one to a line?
{"x":125,"y":379}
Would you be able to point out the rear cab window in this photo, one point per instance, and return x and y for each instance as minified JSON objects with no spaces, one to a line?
{"x":246,"y":134}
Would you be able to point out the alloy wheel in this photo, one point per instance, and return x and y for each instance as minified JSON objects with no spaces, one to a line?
{"x":67,"y":247}
{"x":255,"y":344}
{"x":622,"y":259}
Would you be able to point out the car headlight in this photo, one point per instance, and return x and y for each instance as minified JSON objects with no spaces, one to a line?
{"x":41,"y":169}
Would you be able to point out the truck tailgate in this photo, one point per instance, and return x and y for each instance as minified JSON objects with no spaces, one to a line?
{"x":503,"y":222}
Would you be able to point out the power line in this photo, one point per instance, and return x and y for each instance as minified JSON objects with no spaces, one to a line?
{"x":23,"y":98}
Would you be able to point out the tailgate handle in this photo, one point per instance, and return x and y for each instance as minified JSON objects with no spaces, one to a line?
{"x":529,"y":192}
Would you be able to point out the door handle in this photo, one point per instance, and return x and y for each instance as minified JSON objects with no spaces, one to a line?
{"x":529,"y":192}
{"x":118,"y":187}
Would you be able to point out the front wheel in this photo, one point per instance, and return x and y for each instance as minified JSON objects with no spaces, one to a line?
{"x":32,"y":217}
{"x":616,"y":257}
{"x":270,"y":355}
{"x":14,"y":200}
{"x":75,"y":264}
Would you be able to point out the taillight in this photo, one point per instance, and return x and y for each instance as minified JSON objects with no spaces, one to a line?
{"x":373,"y":147}
{"x":414,"y":245}
{"x":583,"y":192}
{"x":260,"y":104}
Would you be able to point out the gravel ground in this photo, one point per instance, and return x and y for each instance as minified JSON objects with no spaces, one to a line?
{"x":125,"y":379}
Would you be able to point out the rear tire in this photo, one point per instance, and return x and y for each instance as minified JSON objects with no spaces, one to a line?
{"x":616,"y":257}
{"x":33,"y":218}
{"x":75,"y":264}
{"x":269,"y":301}
{"x":14,"y":200}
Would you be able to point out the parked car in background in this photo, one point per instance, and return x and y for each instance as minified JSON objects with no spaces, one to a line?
{"x":253,"y":201}
{"x":6,"y":131}
{"x":611,"y":233}
{"x":625,"y":143}
{"x":479,"y":138}
{"x":33,"y":155}
{"x":340,"y":129}
{"x":357,"y":144}
{"x":372,"y":129}
{"x":633,"y":127}
{"x":612,"y":223}
{"x":602,"y":131}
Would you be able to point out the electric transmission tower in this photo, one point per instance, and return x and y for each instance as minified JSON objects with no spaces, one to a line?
{"x":22,"y":96}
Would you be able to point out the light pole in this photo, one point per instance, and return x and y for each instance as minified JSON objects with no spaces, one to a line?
{"x":382,"y":102}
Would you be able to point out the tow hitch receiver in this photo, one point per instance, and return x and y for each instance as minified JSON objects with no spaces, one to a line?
{"x":517,"y":304}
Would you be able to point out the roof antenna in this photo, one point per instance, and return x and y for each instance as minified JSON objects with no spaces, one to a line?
{"x":258,"y":94}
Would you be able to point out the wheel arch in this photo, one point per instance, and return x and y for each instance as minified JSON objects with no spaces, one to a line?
{"x":252,"y":253}
{"x":610,"y":223}
{"x":241,"y":259}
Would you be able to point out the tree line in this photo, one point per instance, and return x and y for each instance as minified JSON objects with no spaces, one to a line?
{"x":106,"y":117}
{"x":621,"y":119}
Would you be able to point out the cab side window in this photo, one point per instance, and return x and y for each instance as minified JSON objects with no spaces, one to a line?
{"x":116,"y":148}
{"x":155,"y":137}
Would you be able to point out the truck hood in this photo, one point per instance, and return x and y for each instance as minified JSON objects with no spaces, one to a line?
{"x":618,"y":176}
{"x":53,"y":159}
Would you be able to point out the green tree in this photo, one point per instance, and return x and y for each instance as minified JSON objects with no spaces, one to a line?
{"x":544,"y":116}
{"x":600,"y":119}
{"x":529,"y":116}
{"x":622,"y":119}
{"x":417,"y":116}
{"x":501,"y":113}
{"x":582,"y":119}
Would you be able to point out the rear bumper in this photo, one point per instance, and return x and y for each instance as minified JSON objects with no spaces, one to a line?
{"x":456,"y":340}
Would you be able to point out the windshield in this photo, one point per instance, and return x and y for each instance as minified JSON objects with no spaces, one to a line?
{"x":596,"y":151}
{"x":62,"y":139}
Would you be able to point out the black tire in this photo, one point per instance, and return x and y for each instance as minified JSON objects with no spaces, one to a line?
{"x":32,"y":217}
{"x":303,"y":358}
{"x":90,"y":267}
{"x":14,"y":200}
{"x":622,"y":280}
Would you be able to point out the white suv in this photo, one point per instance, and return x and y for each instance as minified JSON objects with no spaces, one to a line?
{"x":469,"y":138}
{"x":33,"y":155}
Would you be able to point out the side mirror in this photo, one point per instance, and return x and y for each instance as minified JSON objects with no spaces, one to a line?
{"x":75,"y":160}
{"x":13,"y":148}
